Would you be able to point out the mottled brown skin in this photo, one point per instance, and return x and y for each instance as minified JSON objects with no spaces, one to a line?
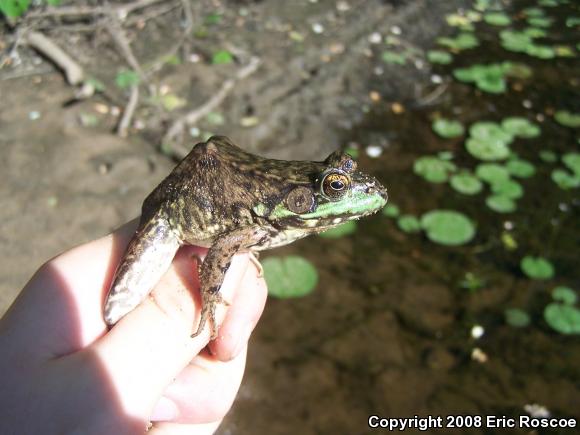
{"x":224,"y":198}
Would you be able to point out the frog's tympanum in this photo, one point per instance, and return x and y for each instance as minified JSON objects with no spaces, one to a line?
{"x":228,"y":200}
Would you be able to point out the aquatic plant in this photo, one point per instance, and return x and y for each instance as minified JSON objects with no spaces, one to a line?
{"x":516,"y":317}
{"x":492,"y":172}
{"x":520,"y":127}
{"x":537,"y":267}
{"x":572,"y":160}
{"x":448,"y":227}
{"x":448,"y":128}
{"x":497,"y":18}
{"x":433,"y":169}
{"x":548,"y":156}
{"x":565,"y":180}
{"x":500,"y":203}
{"x":439,"y":56}
{"x":507,"y":188}
{"x":462,"y":41}
{"x":289,"y":277}
{"x":520,"y":168}
{"x":409,"y":223}
{"x":466,"y":183}
{"x":565,"y":295}
{"x":567,"y":119}
{"x":561,"y":315}
{"x":391,"y":210}
{"x":392,"y":57}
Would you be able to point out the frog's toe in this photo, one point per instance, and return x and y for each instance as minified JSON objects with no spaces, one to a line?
{"x":209,"y":303}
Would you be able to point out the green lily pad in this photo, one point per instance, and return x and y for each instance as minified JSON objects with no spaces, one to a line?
{"x":572,"y":21}
{"x":492,"y":172}
{"x":508,"y":188}
{"x":533,"y":12}
{"x":490,"y":132}
{"x":497,"y":18}
{"x":409,"y":223}
{"x":535,"y":32}
{"x":520,"y":168}
{"x":466,"y":183}
{"x":548,"y":3}
{"x":433,"y":169}
{"x":564,"y":51}
{"x":572,"y":160}
{"x":342,"y":230}
{"x":463,"y":41}
{"x":487,"y":150}
{"x":548,"y":156}
{"x":445,"y":155}
{"x":520,"y":127}
{"x":440,"y":57}
{"x":500,"y":203}
{"x":392,"y":57}
{"x":516,"y":317}
{"x":564,"y":319}
{"x":537,"y":267}
{"x":540,"y":21}
{"x":565,"y":180}
{"x":564,"y":295}
{"x":391,"y":210}
{"x":448,"y":227}
{"x":289,"y":277}
{"x":567,"y":119}
{"x":516,"y":70}
{"x":541,"y":51}
{"x":448,"y":128}
{"x":515,"y":41}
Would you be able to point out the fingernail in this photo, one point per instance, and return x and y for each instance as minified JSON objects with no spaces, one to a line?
{"x":165,"y":410}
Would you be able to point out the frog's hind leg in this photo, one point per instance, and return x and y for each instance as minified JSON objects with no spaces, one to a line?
{"x":146,"y":259}
{"x":214,"y":267}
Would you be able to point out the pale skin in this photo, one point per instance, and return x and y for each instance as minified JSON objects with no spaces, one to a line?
{"x":62,"y":371}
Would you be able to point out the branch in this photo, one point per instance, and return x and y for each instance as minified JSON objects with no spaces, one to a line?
{"x":125,"y":123}
{"x":175,"y":132}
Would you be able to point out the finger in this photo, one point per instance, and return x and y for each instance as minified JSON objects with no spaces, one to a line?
{"x":242,"y":317}
{"x":204,"y":390}
{"x":148,"y":347}
{"x":64,"y":298}
{"x":183,"y":429}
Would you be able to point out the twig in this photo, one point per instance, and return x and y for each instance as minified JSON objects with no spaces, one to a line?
{"x":72,"y":70}
{"x":125,"y":123}
{"x":175,"y":132}
{"x":83,"y":11}
{"x":114,"y":27}
{"x":433,"y":96}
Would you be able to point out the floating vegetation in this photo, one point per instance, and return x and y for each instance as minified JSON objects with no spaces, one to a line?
{"x":487,"y":150}
{"x":440,"y":57}
{"x":392,"y":57}
{"x":572,"y":21}
{"x":501,"y":204}
{"x":565,"y":180}
{"x":471,"y":282}
{"x":548,"y":156}
{"x":433,"y":169}
{"x":537,"y":267}
{"x":507,"y":188}
{"x":391,"y":210}
{"x":447,"y":128}
{"x":466,"y":183}
{"x":497,"y":18}
{"x":572,"y":160}
{"x":492,"y":172}
{"x":517,"y":317}
{"x":448,"y":227}
{"x":409,"y":223}
{"x":561,"y":315}
{"x":462,"y":41}
{"x":289,"y":277}
{"x":345,"y":229}
{"x":520,"y":168}
{"x":567,"y":119}
{"x":520,"y":127}
{"x":491,"y":78}
{"x":540,"y":21}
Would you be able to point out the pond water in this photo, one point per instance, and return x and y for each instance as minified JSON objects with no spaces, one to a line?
{"x":400,"y":325}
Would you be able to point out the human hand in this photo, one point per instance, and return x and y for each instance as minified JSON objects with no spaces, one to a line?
{"x":62,"y":372}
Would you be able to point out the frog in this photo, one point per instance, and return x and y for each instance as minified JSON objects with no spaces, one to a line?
{"x":228,"y":200}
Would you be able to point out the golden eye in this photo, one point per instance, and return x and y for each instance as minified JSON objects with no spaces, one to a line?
{"x":300,"y":200}
{"x":334,"y":185}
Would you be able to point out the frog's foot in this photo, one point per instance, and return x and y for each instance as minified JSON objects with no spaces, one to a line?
{"x":256,"y":262}
{"x":209,"y":302}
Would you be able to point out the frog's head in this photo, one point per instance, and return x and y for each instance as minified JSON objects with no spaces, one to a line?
{"x":335,"y":193}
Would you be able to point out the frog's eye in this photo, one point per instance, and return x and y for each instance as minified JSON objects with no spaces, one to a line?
{"x":334,"y":185}
{"x":300,"y":200}
{"x":349,"y":165}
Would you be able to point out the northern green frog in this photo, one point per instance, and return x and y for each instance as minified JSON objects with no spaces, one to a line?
{"x":228,"y":200}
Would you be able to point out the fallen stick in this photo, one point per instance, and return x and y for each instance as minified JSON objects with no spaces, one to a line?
{"x":170,"y":140}
{"x":125,"y":123}
{"x":41,"y":43}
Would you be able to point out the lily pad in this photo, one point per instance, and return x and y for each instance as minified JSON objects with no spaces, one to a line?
{"x":487,"y":150}
{"x":565,"y":180}
{"x":565,"y":295}
{"x":562,"y":318}
{"x":500,"y":203}
{"x":492,"y":172}
{"x":433,"y":169}
{"x":540,"y":21}
{"x":508,"y":188}
{"x":520,"y":168}
{"x":535,"y":32}
{"x":409,"y":223}
{"x":342,"y":230}
{"x":490,"y":132}
{"x":497,"y":18}
{"x":392,"y":57}
{"x":541,"y":51}
{"x":533,"y":12}
{"x":448,"y":128}
{"x":567,"y":119}
{"x":466,"y":183}
{"x":515,"y":41}
{"x":548,"y":156}
{"x":463,"y":41}
{"x":537,"y":267}
{"x":516,"y":317}
{"x":572,"y":160}
{"x":289,"y":277}
{"x":448,"y":227}
{"x":516,"y":70}
{"x":520,"y":127}
{"x":391,"y":210}
{"x":439,"y":56}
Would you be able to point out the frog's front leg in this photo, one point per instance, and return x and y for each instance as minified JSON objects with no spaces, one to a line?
{"x":214,"y":267}
{"x":146,"y":259}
